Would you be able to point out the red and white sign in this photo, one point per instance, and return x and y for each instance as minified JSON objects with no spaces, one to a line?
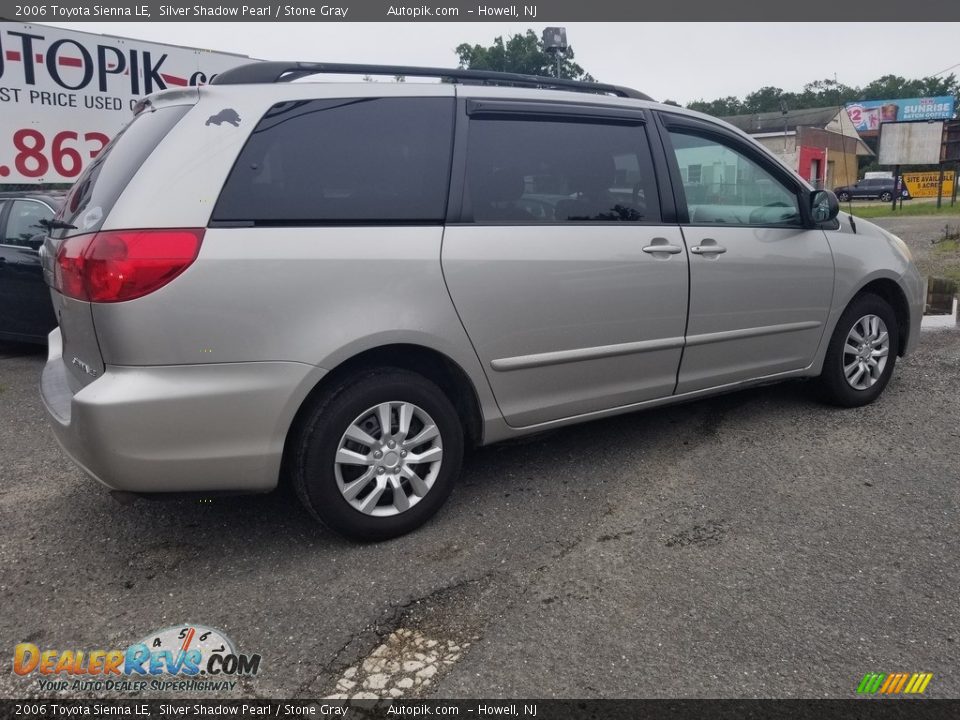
{"x":64,"y":94}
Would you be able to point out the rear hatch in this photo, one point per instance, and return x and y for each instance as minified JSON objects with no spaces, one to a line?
{"x":85,"y":213}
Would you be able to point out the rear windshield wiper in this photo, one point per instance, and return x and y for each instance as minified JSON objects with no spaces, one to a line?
{"x":57,"y":225}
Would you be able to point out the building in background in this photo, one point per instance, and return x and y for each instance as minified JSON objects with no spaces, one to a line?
{"x":821,"y":144}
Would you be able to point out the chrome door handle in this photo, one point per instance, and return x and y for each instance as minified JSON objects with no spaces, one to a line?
{"x":662,"y":245}
{"x":671,"y":249}
{"x":709,"y":247}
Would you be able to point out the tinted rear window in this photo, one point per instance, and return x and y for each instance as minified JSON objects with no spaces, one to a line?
{"x":93,"y":195}
{"x":547,"y":171}
{"x":343,"y":161}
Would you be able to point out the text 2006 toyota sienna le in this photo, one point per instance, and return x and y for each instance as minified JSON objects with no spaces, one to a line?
{"x":345,"y":284}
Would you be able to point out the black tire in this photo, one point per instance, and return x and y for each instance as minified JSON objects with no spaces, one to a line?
{"x":318,"y":439}
{"x":833,"y":383}
{"x":886,"y":196}
{"x":843,"y":197}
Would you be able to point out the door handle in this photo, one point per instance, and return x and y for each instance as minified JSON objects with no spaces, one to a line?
{"x":662,"y":245}
{"x":708,"y":247}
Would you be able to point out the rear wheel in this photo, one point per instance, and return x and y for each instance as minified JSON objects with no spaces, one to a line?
{"x":886,"y":196}
{"x":843,"y":196}
{"x":862,"y":353}
{"x":378,"y":456}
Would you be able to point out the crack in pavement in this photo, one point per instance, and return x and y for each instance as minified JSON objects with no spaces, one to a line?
{"x":408,"y":648}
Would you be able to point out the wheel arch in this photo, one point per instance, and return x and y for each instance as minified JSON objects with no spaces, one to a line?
{"x":893,"y":294}
{"x":432,"y":364}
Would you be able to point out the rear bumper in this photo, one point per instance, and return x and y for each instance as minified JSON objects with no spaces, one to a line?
{"x":184,"y":428}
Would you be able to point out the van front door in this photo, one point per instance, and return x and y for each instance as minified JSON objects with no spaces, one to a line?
{"x":761,"y":281}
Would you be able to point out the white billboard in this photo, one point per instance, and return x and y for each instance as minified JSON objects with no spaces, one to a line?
{"x":64,"y":94}
{"x":911,"y":143}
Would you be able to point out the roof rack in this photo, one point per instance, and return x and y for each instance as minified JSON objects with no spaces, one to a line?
{"x":277,"y":71}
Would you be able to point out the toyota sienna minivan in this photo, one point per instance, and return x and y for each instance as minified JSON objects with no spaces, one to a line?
{"x":343,"y":285}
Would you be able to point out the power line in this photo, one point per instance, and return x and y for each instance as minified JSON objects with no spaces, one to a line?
{"x":945,"y":70}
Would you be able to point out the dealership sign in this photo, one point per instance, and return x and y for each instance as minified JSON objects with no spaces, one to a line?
{"x":64,"y":94}
{"x":866,"y":116}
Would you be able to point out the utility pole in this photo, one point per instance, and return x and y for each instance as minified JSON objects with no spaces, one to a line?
{"x":783,"y":111}
{"x":555,"y":42}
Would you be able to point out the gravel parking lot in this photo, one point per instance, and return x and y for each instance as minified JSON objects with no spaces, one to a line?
{"x":754,"y":545}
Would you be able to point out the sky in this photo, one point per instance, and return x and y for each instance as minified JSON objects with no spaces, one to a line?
{"x":678,"y":61}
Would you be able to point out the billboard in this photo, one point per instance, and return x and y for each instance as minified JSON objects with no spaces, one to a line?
{"x":867,"y":115}
{"x":64,"y":94}
{"x":910,"y":143}
{"x":924,"y":184}
{"x":951,"y":144}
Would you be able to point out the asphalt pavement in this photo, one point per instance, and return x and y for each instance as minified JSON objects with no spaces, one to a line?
{"x":758,"y":544}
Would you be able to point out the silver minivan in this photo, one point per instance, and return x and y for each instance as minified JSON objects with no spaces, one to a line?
{"x":343,"y":285}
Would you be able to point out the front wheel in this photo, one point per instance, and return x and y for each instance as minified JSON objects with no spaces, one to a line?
{"x":378,"y":456}
{"x":886,"y":196}
{"x":843,"y":196}
{"x":862,"y":353}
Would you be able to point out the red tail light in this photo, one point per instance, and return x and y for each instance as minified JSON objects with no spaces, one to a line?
{"x":120,"y":265}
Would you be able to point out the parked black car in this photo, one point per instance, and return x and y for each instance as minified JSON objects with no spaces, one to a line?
{"x":870,"y":189}
{"x":26,"y":311}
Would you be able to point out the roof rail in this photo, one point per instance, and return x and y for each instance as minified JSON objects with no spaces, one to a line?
{"x":272,"y":71}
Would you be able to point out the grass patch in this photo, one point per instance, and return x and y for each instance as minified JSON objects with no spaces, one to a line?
{"x":910,"y":208}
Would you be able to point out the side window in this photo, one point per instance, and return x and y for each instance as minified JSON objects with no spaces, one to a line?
{"x":541,"y":170}
{"x":723,"y":186}
{"x":352,"y":161}
{"x":24,"y":222}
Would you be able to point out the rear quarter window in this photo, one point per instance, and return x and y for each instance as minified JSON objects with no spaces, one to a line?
{"x":379,"y":160}
{"x":96,"y":191}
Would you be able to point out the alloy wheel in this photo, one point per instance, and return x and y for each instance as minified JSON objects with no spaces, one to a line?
{"x":388,"y":459}
{"x":865,"y":352}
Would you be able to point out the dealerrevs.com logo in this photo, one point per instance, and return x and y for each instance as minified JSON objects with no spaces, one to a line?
{"x":181,"y":658}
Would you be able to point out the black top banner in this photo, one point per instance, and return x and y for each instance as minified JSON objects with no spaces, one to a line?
{"x":825,"y":11}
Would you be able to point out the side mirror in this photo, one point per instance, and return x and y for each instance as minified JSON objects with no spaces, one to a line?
{"x":823,"y":206}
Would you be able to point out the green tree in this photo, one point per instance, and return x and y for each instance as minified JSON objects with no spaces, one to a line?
{"x":721,"y":107}
{"x":823,"y":93}
{"x":827,"y":92}
{"x":766,"y":99}
{"x":519,"y":54}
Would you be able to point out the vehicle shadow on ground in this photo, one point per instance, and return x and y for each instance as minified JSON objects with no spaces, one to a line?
{"x":501,"y":483}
